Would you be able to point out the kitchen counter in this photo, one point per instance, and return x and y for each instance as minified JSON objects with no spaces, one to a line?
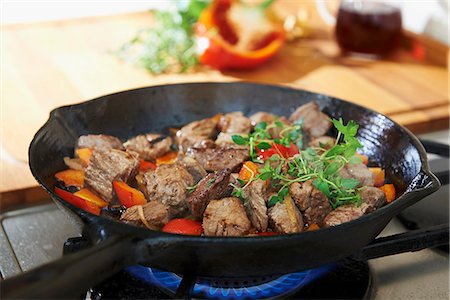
{"x":51,"y":64}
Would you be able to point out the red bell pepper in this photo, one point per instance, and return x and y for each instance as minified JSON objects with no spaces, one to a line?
{"x":281,"y":150}
{"x":183,"y":226}
{"x":77,"y":201}
{"x":248,"y":170}
{"x":127,"y":195}
{"x":71,"y":177}
{"x":216,"y":40}
{"x":144,"y":166}
{"x":87,"y":195}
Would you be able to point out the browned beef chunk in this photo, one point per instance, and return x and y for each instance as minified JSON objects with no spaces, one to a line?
{"x":213,"y":186}
{"x":255,"y":196}
{"x":269,"y":119}
{"x":374,"y":197}
{"x":325,"y":142}
{"x":360,"y":172}
{"x":154,"y":213}
{"x":262,"y":116}
{"x":107,"y":166}
{"x":194,"y":133}
{"x":149,"y":146}
{"x":235,"y":122}
{"x":225,"y":217}
{"x":99,"y":142}
{"x":315,"y":122}
{"x":285,"y":218}
{"x":215,"y":159}
{"x":193,"y":167}
{"x":167,"y":184}
{"x":225,"y":140}
{"x":312,"y":203}
{"x":371,"y":199}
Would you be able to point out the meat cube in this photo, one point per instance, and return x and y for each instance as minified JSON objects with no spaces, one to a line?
{"x":168,"y":184}
{"x":325,"y":142}
{"x":213,"y":186}
{"x":153,"y":215}
{"x":235,"y":122}
{"x":225,"y":140}
{"x":312,"y":202}
{"x":215,"y":159}
{"x":108,"y":166}
{"x":226,"y":217}
{"x":194,"y":133}
{"x":255,"y":196}
{"x":262,"y":116}
{"x":360,"y":172}
{"x":193,"y":167}
{"x":99,"y":141}
{"x":285,"y":218}
{"x":315,"y":122}
{"x":269,"y":119}
{"x":149,"y":146}
{"x":371,"y":199}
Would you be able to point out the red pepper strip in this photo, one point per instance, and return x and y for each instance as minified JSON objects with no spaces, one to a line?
{"x":127,"y":195}
{"x":248,"y":170}
{"x":183,"y":226}
{"x":216,"y":39}
{"x":267,"y":233}
{"x":88,"y":195}
{"x":77,"y":201}
{"x":71,"y":177}
{"x":144,"y":166}
{"x":281,"y":150}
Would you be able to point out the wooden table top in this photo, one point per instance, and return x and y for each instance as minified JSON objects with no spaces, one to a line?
{"x":51,"y":64}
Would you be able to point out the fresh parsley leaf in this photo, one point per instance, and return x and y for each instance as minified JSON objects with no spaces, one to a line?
{"x":261,"y":126}
{"x":349,"y":183}
{"x":264,"y":146}
{"x":355,"y":160}
{"x":239,"y":139}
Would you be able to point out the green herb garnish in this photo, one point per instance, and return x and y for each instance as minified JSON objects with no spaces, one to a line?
{"x":210,"y":182}
{"x":317,"y":164}
{"x":169,"y":46}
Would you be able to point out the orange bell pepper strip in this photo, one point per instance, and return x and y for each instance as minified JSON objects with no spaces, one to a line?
{"x":167,"y":159}
{"x":84,"y":154}
{"x":248,"y":171}
{"x":216,"y":41}
{"x":313,"y":227}
{"x":389,"y":191}
{"x":144,"y":166}
{"x":379,"y":176}
{"x":127,"y":195}
{"x":77,"y":201}
{"x":87,"y":195}
{"x":71,"y":177}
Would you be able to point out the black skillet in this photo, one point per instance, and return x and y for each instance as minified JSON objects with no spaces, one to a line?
{"x":116,"y":245}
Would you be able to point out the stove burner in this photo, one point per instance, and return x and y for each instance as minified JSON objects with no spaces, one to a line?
{"x":251,"y":288}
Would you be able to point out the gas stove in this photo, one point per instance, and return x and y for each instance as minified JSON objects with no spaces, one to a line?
{"x":25,"y":243}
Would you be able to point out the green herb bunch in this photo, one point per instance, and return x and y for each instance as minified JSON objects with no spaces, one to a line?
{"x":313,"y":163}
{"x":169,"y":46}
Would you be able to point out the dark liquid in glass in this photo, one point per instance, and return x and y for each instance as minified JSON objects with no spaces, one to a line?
{"x":368,"y":27}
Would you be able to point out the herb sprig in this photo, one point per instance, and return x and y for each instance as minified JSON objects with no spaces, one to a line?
{"x":313,"y":163}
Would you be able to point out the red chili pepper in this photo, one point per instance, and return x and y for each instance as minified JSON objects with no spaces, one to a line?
{"x":281,"y":150}
{"x":144,"y":166}
{"x":216,"y":40}
{"x":183,"y":226}
{"x":77,"y":201}
{"x":127,"y":195}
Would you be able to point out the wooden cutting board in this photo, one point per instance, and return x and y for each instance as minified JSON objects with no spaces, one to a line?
{"x":47,"y":65}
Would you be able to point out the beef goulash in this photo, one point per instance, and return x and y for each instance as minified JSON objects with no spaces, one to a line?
{"x":229,"y":175}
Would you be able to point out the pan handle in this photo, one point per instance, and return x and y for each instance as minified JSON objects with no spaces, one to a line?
{"x":86,"y":268}
{"x":441,"y":150}
{"x":410,"y":241}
